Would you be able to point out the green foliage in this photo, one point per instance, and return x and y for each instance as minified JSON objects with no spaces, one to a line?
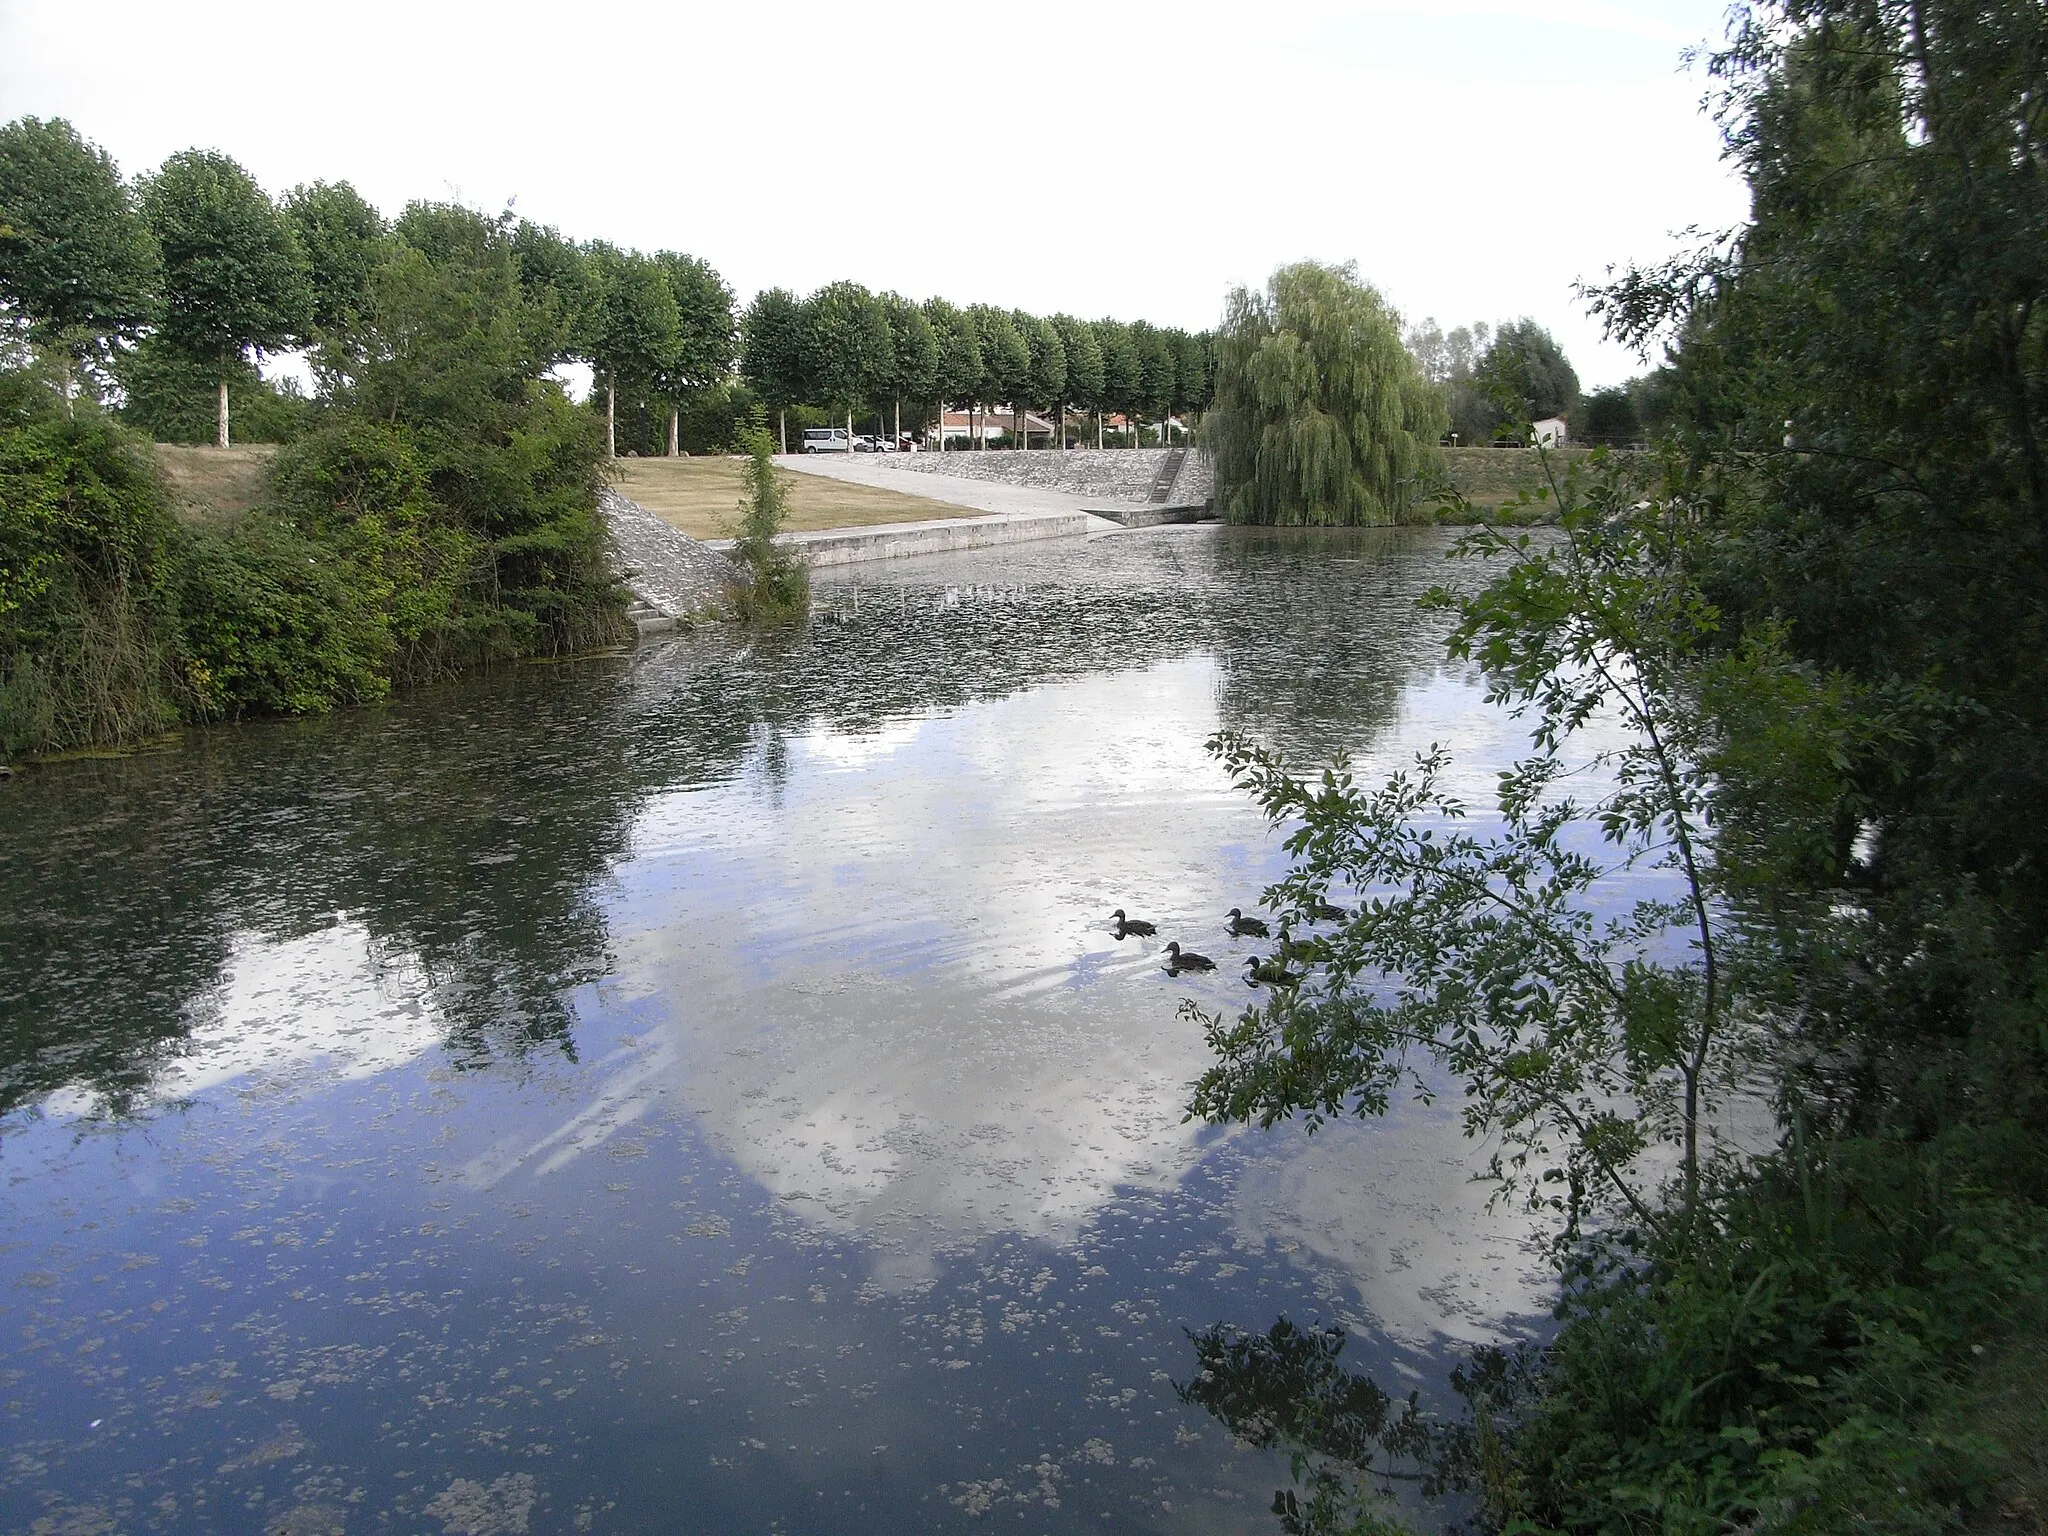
{"x":1122,"y":387}
{"x":175,"y":400}
{"x":77,"y":265}
{"x":234,"y":278}
{"x":557,"y":285}
{"x":344,"y":241}
{"x":959,"y":367}
{"x":1005,"y":359}
{"x":1526,"y":371}
{"x":706,"y":333}
{"x":849,"y":356}
{"x":86,"y":607}
{"x":1320,"y":415}
{"x":634,"y":334}
{"x":1607,"y":416}
{"x":1084,"y":361}
{"x":914,"y":364}
{"x":772,"y":348}
{"x":770,"y":584}
{"x":1046,"y":372}
{"x":1582,"y":1041}
{"x":277,"y":623}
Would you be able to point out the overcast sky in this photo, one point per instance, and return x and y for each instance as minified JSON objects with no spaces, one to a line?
{"x":1474,"y":157}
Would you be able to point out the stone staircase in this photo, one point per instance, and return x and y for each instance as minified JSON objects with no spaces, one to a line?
{"x":670,"y":575}
{"x":1164,"y":477}
{"x":645,"y":618}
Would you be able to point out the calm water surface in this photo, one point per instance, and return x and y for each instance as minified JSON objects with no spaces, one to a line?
{"x":698,"y":1090}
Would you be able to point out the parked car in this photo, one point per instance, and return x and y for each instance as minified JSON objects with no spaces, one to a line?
{"x":866,"y":444}
{"x":825,"y":440}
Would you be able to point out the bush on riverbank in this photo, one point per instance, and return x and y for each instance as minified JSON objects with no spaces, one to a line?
{"x":441,"y":514}
{"x":770,"y":584}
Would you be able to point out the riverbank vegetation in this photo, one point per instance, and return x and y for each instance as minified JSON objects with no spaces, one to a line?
{"x":770,"y":584}
{"x":437,"y":511}
{"x":1788,"y":1110}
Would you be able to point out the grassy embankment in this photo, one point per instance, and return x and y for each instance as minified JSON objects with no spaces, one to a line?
{"x":700,"y":497}
{"x":214,"y":485}
{"x":696,"y":496}
{"x":1492,"y":479}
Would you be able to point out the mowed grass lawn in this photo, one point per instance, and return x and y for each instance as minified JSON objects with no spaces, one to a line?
{"x":701,"y":497}
{"x":214,"y":484}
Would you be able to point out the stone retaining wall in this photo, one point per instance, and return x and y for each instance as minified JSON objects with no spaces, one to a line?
{"x":667,"y":571}
{"x":895,"y":541}
{"x":1110,"y":474}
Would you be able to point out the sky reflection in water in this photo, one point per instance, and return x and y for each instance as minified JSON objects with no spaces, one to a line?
{"x":699,"y":1089}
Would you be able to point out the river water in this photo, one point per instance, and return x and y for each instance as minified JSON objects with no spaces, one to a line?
{"x":699,"y":1089}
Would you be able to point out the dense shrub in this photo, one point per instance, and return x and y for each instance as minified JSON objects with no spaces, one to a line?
{"x":87,"y":599}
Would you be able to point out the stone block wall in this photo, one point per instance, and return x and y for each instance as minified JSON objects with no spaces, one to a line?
{"x":1111,"y":474}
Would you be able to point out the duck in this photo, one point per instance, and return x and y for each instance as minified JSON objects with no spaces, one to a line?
{"x":1179,"y":960}
{"x":1246,"y":927}
{"x":1130,"y":925}
{"x":1320,"y":911}
{"x":1271,"y":973}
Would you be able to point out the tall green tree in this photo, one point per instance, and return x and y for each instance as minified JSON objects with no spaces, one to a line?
{"x":1525,"y":367}
{"x":1046,"y":375}
{"x":849,"y":354}
{"x":234,"y":276}
{"x":1005,"y":360}
{"x":633,"y":334}
{"x":1194,"y":371}
{"x":557,"y":283}
{"x":1155,"y":373}
{"x":1084,"y":367}
{"x":344,"y":240}
{"x":77,"y":265}
{"x":452,"y":375}
{"x":1122,"y":384}
{"x":705,"y":336}
{"x":959,"y":368}
{"x":914,"y":366}
{"x":1321,"y":414}
{"x":772,"y":354}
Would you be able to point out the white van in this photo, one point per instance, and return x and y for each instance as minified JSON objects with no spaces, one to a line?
{"x":825,"y":440}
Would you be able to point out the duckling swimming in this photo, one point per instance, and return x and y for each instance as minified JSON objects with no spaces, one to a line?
{"x":1179,"y":960}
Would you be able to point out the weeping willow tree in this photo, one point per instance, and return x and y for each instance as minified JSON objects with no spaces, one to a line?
{"x":1321,"y":416}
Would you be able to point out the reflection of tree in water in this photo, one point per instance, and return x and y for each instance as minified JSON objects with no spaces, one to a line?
{"x":464,"y":830}
{"x":1323,"y":632}
{"x":468,"y":828}
{"x":1349,"y":1443}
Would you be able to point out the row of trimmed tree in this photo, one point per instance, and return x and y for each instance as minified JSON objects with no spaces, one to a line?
{"x":848,"y":350}
{"x":187,"y":276}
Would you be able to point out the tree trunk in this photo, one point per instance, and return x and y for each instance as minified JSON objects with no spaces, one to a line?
{"x":897,"y":441}
{"x":611,"y":423}
{"x":849,"y":434}
{"x":220,"y":420}
{"x":675,"y":432}
{"x":1098,"y":429}
{"x":782,"y":427}
{"x":1017,"y":437}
